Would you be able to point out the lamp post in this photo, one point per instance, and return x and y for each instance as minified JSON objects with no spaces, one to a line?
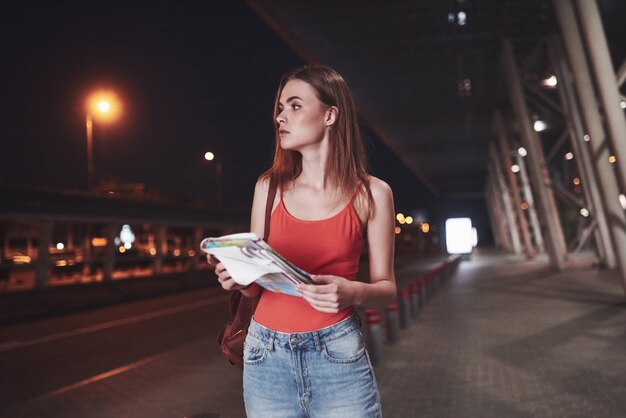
{"x":103,"y":106}
{"x":209,"y":156}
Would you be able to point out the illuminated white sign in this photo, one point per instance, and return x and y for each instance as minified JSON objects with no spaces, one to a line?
{"x":459,"y":236}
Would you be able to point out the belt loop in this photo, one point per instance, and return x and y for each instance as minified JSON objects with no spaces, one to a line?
{"x":270,"y":340}
{"x":318,"y":343}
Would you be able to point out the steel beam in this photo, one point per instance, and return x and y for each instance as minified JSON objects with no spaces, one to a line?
{"x":607,"y":180}
{"x":505,"y":154}
{"x":582,"y":157}
{"x":538,"y":170}
{"x":608,"y":90}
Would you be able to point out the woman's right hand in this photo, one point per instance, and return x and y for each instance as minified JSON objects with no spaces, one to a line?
{"x":223,"y":276}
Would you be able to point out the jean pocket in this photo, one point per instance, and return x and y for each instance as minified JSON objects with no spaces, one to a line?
{"x":348,"y":348}
{"x":254,"y":350}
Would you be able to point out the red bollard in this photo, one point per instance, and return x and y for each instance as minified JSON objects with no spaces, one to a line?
{"x":393,"y":322}
{"x":374,"y":320}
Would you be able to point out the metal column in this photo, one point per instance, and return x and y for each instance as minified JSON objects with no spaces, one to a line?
{"x":492,"y":218}
{"x":505,"y":153}
{"x":532,"y":208}
{"x":539,"y":174}
{"x":42,"y":265}
{"x":505,"y":241}
{"x":110,"y":232}
{"x":506,"y":199}
{"x":608,"y":91}
{"x":581,"y":152}
{"x":607,"y":180}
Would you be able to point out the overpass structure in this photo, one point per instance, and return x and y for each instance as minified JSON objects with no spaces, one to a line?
{"x":65,"y":237}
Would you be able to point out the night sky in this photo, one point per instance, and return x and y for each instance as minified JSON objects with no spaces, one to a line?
{"x":194,"y":76}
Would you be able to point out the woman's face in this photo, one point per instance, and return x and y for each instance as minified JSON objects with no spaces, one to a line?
{"x":301,"y":116}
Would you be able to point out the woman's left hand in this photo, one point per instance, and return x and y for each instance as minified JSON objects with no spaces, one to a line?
{"x":330,"y":294}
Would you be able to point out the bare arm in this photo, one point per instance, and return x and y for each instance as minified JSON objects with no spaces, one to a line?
{"x":333,"y":293}
{"x":257,"y":225}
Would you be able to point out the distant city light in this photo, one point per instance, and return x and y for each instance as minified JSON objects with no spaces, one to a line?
{"x":128,"y":245}
{"x":408,"y":220}
{"x":576,"y":181}
{"x":450,"y":17}
{"x":60,"y":246}
{"x":126,"y":235}
{"x":569,"y":156}
{"x":209,"y":156}
{"x":398,"y":230}
{"x":587,"y":138}
{"x":522,"y":151}
{"x":122,"y":249}
{"x":584,"y":212}
{"x":425,"y":228}
{"x":99,"y":241}
{"x":515,"y":168}
{"x":153,"y":251}
{"x":540,"y":126}
{"x":550,"y":81}
{"x":191,"y":253}
{"x":523,"y":206}
{"x":400,"y":217}
{"x":612,"y":159}
{"x":176,"y":252}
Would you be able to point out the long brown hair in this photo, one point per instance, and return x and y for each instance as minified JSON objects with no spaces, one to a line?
{"x":347,"y":161}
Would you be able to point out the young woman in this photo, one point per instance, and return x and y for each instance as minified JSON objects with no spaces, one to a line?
{"x":305,"y":356}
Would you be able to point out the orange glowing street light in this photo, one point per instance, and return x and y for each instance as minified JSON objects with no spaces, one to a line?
{"x":103,"y":106}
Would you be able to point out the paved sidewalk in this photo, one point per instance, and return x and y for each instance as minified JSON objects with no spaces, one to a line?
{"x":506,"y":337}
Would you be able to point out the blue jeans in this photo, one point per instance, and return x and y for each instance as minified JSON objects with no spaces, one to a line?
{"x":325,"y":373}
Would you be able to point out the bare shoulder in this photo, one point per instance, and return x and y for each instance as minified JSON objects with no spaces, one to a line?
{"x":262,"y":186}
{"x":381,"y":191}
{"x":382,"y":200}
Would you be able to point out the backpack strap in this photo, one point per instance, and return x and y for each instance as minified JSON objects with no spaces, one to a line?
{"x":271,"y":195}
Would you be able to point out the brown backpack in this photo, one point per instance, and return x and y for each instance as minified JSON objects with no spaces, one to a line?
{"x":234,"y":333}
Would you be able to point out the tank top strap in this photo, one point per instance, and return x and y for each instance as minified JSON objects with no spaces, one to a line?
{"x":357,"y":189}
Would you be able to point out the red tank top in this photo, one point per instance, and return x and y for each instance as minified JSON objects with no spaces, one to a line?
{"x":327,"y":246}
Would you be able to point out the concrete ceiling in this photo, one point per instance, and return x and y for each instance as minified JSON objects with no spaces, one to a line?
{"x":407,"y":63}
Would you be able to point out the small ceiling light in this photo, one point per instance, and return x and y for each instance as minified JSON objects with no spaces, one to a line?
{"x":515,"y":168}
{"x":569,"y":156}
{"x":587,"y":138}
{"x":522,"y":151}
{"x":540,"y":125}
{"x":612,"y":159}
{"x":550,"y":81}
{"x":584,"y":212}
{"x":461,"y":18}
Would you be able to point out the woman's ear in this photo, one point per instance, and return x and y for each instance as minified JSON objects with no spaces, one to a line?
{"x":331,"y":115}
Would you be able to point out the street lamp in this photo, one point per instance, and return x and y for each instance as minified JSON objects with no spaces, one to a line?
{"x":209,"y":156}
{"x":103,"y":106}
